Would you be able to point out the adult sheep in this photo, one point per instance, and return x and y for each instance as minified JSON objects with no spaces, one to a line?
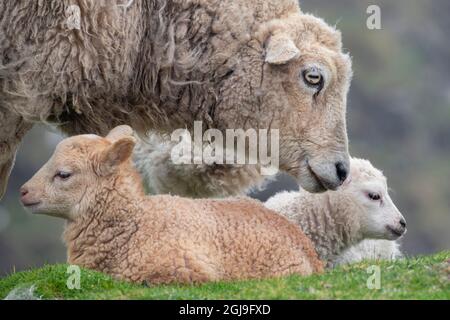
{"x":89,"y":65}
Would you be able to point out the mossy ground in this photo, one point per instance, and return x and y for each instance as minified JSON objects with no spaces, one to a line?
{"x":425,"y":277}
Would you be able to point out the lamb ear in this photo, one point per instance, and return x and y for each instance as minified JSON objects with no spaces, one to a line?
{"x":280,"y":49}
{"x":119,"y":132}
{"x":119,"y":152}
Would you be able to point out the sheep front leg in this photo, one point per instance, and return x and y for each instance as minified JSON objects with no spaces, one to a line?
{"x":152,"y":158}
{"x":12,"y":129}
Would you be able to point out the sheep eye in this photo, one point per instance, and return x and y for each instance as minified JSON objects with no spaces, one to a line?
{"x":313,"y":78}
{"x":63,"y":175}
{"x":374,"y":196}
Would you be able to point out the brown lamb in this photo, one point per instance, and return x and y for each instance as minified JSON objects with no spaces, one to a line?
{"x":114,"y":228}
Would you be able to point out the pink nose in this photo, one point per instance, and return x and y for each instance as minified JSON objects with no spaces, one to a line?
{"x":23,"y":192}
{"x":26,"y":197}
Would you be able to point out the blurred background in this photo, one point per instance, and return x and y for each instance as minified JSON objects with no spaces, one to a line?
{"x":398,"y":117}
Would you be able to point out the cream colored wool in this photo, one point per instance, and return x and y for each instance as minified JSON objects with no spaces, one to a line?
{"x":370,"y":250}
{"x":336,"y":221}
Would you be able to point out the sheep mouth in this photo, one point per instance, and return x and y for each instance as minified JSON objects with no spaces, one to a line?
{"x":322,"y":185}
{"x":319,"y":183}
{"x":396,"y":232}
{"x":32,"y":206}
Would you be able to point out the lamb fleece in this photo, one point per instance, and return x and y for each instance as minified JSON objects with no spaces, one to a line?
{"x":115,"y":228}
{"x":370,"y":250}
{"x":325,"y":219}
{"x":168,"y":239}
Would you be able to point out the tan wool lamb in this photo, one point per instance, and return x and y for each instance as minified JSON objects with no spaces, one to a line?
{"x":114,"y":228}
{"x":335,"y":221}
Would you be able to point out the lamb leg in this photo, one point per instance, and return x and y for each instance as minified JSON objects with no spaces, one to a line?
{"x":12,"y":129}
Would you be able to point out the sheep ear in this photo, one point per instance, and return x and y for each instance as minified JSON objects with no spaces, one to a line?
{"x":119,"y":132}
{"x":280,"y":49}
{"x":116,"y":154}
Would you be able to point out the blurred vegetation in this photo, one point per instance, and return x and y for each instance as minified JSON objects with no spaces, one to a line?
{"x":398,"y":117}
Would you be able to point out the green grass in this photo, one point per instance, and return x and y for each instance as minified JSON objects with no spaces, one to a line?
{"x":416,"y":278}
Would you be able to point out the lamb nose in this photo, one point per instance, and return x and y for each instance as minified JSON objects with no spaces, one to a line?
{"x":403,"y":223}
{"x":23,"y":191}
{"x":341,"y":171}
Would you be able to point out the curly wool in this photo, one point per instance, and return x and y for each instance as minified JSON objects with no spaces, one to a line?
{"x":326,"y":219}
{"x":166,"y":239}
{"x":148,"y":63}
{"x":152,"y":157}
{"x":161,"y":64}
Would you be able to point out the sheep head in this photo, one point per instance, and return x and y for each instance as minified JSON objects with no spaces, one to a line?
{"x":377,"y":214}
{"x":81,"y":166}
{"x":296,"y":80}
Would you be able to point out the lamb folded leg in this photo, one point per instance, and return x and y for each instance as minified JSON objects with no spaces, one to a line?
{"x":12,"y":129}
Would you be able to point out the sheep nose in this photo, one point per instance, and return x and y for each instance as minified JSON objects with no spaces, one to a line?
{"x":341,"y":171}
{"x":23,"y":191}
{"x":403,"y":223}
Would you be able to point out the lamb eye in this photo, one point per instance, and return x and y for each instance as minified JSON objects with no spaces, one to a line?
{"x":374,"y":196}
{"x":313,"y":78}
{"x":63,"y":175}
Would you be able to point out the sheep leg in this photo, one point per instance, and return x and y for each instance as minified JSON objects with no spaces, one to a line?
{"x":5,"y":171}
{"x":12,"y":129}
{"x":152,"y":157}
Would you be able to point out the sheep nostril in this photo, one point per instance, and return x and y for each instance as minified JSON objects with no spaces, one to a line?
{"x":403,"y":223}
{"x":341,"y":171}
{"x":23,"y":191}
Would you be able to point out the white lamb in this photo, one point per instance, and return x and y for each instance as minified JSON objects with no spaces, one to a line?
{"x":336,"y":221}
